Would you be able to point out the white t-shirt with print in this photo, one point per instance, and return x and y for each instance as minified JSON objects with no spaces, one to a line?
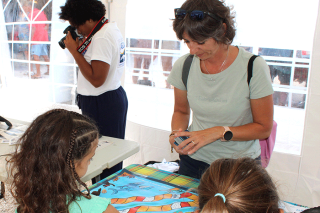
{"x":107,"y":45}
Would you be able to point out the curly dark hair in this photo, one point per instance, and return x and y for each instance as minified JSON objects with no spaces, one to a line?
{"x":77,"y":12}
{"x":199,"y":31}
{"x":43,"y":166}
{"x":246,"y":185}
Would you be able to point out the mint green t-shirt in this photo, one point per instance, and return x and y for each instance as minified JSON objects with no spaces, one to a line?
{"x":94,"y":205}
{"x":223,"y":99}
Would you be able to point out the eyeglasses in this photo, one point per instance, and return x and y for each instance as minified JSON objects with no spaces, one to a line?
{"x":195,"y":15}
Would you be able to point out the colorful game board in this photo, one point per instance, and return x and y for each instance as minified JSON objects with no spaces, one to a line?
{"x":131,"y":192}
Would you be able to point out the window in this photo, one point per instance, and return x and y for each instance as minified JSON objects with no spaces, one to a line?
{"x":28,"y":28}
{"x":151,"y":50}
{"x":37,"y":72}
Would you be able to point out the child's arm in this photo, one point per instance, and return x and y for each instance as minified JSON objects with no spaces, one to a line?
{"x":111,"y":209}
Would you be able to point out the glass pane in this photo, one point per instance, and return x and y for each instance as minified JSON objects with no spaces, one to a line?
{"x":298,"y":100}
{"x":9,"y":32}
{"x":40,"y":32}
{"x":40,"y":52}
{"x":10,"y":49}
{"x":156,"y":44}
{"x":276,"y":52}
{"x":300,"y":77}
{"x":167,"y":62}
{"x":64,"y":74}
{"x":40,"y":71}
{"x":21,"y":70}
{"x":21,"y":51}
{"x":141,"y":43}
{"x":280,"y":74}
{"x":303,"y":54}
{"x":280,"y":98}
{"x":170,"y":45}
{"x":141,"y":72}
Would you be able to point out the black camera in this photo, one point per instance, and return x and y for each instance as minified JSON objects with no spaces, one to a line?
{"x":74,"y":35}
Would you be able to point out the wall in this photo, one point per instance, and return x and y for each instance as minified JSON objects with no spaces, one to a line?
{"x":299,"y":176}
{"x":154,"y":144}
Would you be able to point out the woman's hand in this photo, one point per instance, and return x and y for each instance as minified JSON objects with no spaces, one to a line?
{"x":172,"y":139}
{"x":71,"y":44}
{"x":196,"y":140}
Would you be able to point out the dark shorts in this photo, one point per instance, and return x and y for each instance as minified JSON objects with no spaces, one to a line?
{"x":108,"y":110}
{"x":195,"y":168}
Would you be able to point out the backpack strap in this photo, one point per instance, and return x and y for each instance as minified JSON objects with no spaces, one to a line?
{"x":250,"y":66}
{"x":185,"y":70}
{"x":188,"y":61}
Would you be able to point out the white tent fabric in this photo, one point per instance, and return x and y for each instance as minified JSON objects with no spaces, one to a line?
{"x":299,"y":176}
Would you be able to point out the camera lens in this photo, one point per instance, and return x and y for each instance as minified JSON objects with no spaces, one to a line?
{"x":61,"y":43}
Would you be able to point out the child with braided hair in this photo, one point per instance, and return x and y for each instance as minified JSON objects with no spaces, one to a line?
{"x":237,"y":186}
{"x":54,"y":153}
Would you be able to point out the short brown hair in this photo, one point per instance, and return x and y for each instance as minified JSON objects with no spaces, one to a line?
{"x":207,"y":28}
{"x":246,"y":186}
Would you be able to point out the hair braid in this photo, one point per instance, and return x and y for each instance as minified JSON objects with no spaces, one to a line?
{"x":80,"y":181}
{"x":69,"y":159}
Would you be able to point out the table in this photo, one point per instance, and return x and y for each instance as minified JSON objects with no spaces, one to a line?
{"x":110,"y":152}
{"x":177,"y":185}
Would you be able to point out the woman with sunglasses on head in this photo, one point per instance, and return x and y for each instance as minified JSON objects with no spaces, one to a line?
{"x":101,"y":60}
{"x":229,"y":115}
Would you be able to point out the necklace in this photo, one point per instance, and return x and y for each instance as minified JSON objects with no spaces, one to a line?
{"x":220,"y":66}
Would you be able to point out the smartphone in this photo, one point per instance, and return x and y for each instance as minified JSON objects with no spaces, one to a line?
{"x":178,"y":140}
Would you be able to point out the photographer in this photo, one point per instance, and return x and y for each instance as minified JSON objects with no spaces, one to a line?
{"x":101,"y":63}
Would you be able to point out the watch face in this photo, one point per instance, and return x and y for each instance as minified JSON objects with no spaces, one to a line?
{"x":228,"y":135}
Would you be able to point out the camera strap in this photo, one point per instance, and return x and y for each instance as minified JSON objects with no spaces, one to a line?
{"x":81,"y":49}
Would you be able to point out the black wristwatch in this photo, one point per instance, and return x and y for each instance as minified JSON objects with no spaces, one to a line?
{"x":227,"y":135}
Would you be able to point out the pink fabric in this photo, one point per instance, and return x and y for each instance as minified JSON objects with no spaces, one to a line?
{"x":267,"y":146}
{"x":40,"y":30}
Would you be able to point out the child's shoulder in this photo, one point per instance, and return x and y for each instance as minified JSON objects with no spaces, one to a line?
{"x":95,"y":204}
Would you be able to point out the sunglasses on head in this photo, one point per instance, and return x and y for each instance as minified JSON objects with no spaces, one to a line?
{"x":195,"y":15}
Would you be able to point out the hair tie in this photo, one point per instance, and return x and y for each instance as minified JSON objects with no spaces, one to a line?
{"x":222,"y":196}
